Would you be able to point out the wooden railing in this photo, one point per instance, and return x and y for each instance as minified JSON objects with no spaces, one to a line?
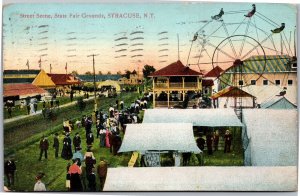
{"x":176,"y":85}
{"x":173,"y":103}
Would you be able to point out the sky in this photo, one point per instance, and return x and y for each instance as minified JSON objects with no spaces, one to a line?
{"x":128,"y":36}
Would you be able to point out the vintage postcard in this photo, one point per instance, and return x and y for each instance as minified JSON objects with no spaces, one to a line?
{"x":164,"y":96}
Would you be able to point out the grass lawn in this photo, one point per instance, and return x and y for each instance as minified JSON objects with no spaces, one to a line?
{"x":24,"y":142}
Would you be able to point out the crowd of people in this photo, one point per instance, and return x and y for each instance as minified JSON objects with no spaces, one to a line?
{"x":106,"y":127}
{"x":212,"y":143}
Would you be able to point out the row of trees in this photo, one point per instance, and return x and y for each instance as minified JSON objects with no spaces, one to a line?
{"x":147,"y":70}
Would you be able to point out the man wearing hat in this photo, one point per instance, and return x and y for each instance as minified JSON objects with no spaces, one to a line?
{"x":44,"y":144}
{"x":9,"y":170}
{"x":56,"y":144}
{"x":76,"y":141}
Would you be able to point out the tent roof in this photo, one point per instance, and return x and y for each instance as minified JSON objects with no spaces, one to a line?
{"x":63,"y":79}
{"x":22,"y":90}
{"x":279,"y":102}
{"x":110,"y":83}
{"x":202,"y":179}
{"x":198,"y":117}
{"x":157,"y":136}
{"x":176,"y":69}
{"x":274,"y":64}
{"x":231,"y":91}
{"x":215,"y":72}
{"x":273,"y":136}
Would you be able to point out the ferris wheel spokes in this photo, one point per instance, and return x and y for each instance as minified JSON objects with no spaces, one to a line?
{"x":258,"y":45}
{"x":230,"y":42}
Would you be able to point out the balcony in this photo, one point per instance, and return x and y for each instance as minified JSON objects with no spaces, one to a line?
{"x":176,"y":86}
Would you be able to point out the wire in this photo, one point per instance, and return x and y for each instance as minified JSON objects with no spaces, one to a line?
{"x":288,"y":51}
{"x":229,"y":40}
{"x":268,"y":19}
{"x":239,"y":26}
{"x":256,"y":47}
{"x":256,"y":29}
{"x":243,"y":43}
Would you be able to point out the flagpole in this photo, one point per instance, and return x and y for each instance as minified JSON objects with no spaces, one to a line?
{"x":40,"y":63}
{"x":27,"y":64}
{"x":50,"y":68}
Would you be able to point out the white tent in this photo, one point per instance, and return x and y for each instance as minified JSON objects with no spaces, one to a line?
{"x":278,"y":102}
{"x":198,"y":117}
{"x":273,"y":137}
{"x":202,"y":179}
{"x":110,"y":83}
{"x":160,"y":137}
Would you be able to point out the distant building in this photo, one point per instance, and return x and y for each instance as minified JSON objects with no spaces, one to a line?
{"x":207,"y":87}
{"x":172,"y":83}
{"x":18,"y":92}
{"x":98,"y":78}
{"x":279,"y":72}
{"x":20,"y":76}
{"x":64,"y":81}
{"x":134,"y":79}
{"x":213,"y":75}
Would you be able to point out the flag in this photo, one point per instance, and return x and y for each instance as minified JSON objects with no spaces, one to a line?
{"x":40,"y":63}
{"x":27,"y":63}
{"x":66,"y":67}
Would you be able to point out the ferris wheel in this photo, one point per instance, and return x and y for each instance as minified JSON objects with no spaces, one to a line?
{"x":240,"y":42}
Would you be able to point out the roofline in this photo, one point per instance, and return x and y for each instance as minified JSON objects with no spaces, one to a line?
{"x":269,"y":72}
{"x":176,"y":75}
{"x":279,"y":100}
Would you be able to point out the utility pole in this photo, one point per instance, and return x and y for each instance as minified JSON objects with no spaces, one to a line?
{"x":95,"y":99}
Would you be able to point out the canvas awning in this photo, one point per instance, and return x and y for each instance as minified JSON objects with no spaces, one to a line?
{"x":202,"y":179}
{"x":273,"y":135}
{"x":159,"y":137}
{"x":278,"y":102}
{"x":231,"y":92}
{"x":198,"y":117}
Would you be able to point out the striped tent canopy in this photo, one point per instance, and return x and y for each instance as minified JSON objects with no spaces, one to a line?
{"x":231,"y":91}
{"x":274,"y":64}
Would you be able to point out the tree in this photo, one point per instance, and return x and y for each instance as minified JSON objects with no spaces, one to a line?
{"x":133,"y":72}
{"x":147,"y":70}
{"x":127,"y":74}
{"x":108,"y":73}
{"x":74,"y":73}
{"x":100,"y":73}
{"x":88,"y":73}
{"x":119,"y":73}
